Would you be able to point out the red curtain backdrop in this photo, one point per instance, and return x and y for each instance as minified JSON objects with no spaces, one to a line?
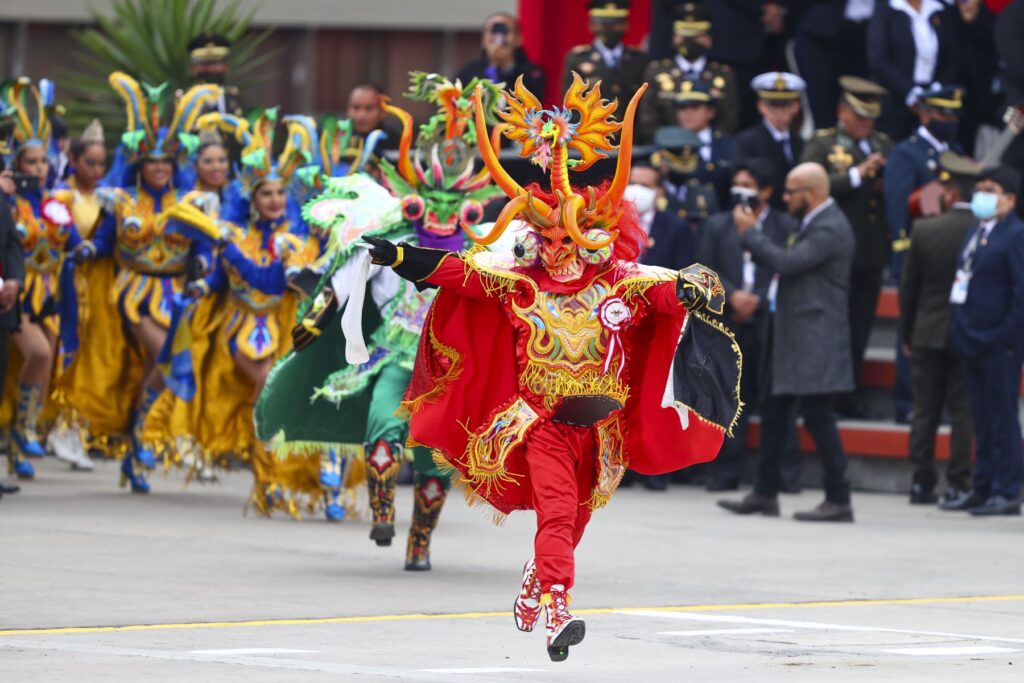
{"x":553,"y":27}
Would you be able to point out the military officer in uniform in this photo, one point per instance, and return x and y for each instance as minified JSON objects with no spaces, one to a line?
{"x":691,"y":28}
{"x":677,"y":158}
{"x":854,"y":155}
{"x":774,"y":138}
{"x":208,"y":53}
{"x":912,"y":164}
{"x":935,"y":368}
{"x":695,"y":111}
{"x":620,"y":68}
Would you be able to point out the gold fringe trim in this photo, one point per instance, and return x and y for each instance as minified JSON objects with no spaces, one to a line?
{"x":412,"y":406}
{"x":554,"y":385}
{"x":473,"y":499}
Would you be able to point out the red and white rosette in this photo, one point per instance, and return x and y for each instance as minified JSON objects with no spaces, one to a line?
{"x":614,"y":314}
{"x":56,"y":212}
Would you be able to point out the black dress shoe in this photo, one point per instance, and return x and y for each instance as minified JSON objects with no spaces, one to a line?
{"x":753,"y":503}
{"x":716,"y":485}
{"x":919,"y":495}
{"x":953,"y":493}
{"x":967,"y":500}
{"x":826,"y":512}
{"x":997,"y":505}
{"x":9,"y":488}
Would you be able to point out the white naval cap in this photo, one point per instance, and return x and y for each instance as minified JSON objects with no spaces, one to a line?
{"x":778,"y":85}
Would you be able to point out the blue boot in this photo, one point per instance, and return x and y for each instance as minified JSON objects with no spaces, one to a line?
{"x":333,"y":469}
{"x":22,"y":469}
{"x":130,"y":476}
{"x":145,"y":456}
{"x":24,"y":438}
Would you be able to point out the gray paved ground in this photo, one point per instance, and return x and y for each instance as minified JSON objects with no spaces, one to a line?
{"x":672,"y":589}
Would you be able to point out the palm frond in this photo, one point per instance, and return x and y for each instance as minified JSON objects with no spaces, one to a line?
{"x":150,"y":41}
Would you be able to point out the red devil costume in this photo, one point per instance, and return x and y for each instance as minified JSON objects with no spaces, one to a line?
{"x":543,"y":374}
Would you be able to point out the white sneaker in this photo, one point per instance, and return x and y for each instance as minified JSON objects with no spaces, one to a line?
{"x":67,"y":445}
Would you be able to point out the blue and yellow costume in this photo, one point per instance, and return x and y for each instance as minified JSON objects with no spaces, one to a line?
{"x":152,"y":261}
{"x":248,"y":302}
{"x":46,"y":230}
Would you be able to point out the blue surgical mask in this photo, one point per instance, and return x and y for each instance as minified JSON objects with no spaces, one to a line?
{"x":984,"y":205}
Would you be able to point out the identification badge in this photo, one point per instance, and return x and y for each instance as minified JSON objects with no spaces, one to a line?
{"x":958,"y":295}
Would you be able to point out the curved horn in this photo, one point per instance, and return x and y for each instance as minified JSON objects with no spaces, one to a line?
{"x":405,"y":142}
{"x":510,"y":211}
{"x":570,"y":208}
{"x":622,"y":166}
{"x":487,"y":152}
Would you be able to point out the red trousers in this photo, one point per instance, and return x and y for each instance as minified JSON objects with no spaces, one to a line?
{"x":562,"y":464}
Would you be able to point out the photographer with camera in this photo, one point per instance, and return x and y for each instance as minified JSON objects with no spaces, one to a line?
{"x":854,"y":153}
{"x":503,"y":57}
{"x":750,"y":296}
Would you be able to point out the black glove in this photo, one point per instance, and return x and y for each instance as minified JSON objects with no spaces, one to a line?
{"x":317,"y":318}
{"x":382,"y":252}
{"x":305,"y":282}
{"x":690,"y":295}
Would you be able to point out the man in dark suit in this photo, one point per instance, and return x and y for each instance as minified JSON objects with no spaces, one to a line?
{"x":669,"y":238}
{"x":810,"y":355}
{"x":691,"y":28}
{"x":502,"y":57}
{"x":12,"y":276}
{"x":988,"y":319}
{"x":773,"y":138}
{"x":750,"y":297}
{"x":935,"y":368}
{"x":854,"y":155}
{"x":830,"y":41}
{"x":911,"y":164}
{"x":620,"y":68}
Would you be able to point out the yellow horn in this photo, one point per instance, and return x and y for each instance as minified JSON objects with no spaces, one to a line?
{"x":622,"y":166}
{"x":510,"y":211}
{"x":490,"y":158}
{"x":405,"y":142}
{"x":570,"y":208}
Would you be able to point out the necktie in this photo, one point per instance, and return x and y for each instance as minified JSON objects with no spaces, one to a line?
{"x":787,"y":149}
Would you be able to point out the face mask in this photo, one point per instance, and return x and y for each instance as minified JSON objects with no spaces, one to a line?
{"x":744,"y":196}
{"x":692,"y":49}
{"x":642,"y":196}
{"x":944,"y":131}
{"x":984,"y":205}
{"x":610,"y":37}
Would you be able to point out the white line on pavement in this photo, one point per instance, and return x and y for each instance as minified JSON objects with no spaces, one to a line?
{"x":482,"y":670}
{"x":789,"y":623}
{"x":948,"y":651}
{"x":725,"y":631}
{"x":255,"y":651}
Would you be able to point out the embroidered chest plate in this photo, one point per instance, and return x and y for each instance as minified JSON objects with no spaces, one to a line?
{"x":572,"y":345}
{"x":41,"y":240}
{"x":142,"y":240}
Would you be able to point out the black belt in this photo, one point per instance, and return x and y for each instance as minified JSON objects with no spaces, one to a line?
{"x":584,"y":411}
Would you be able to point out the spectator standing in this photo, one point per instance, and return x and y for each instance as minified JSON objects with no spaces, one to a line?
{"x":914,"y":163}
{"x":12,"y":278}
{"x":830,"y":41}
{"x":810,"y":359}
{"x":911,"y":44}
{"x":747,"y":35}
{"x":854,"y":155}
{"x":691,"y":30}
{"x":620,"y":68}
{"x":975,"y":24}
{"x":1009,"y":28}
{"x":502,"y":57}
{"x":935,"y":368}
{"x":208,"y":55}
{"x":773,"y":139}
{"x":688,"y":193}
{"x":367,"y":114}
{"x":988,"y":319}
{"x":750,"y":297}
